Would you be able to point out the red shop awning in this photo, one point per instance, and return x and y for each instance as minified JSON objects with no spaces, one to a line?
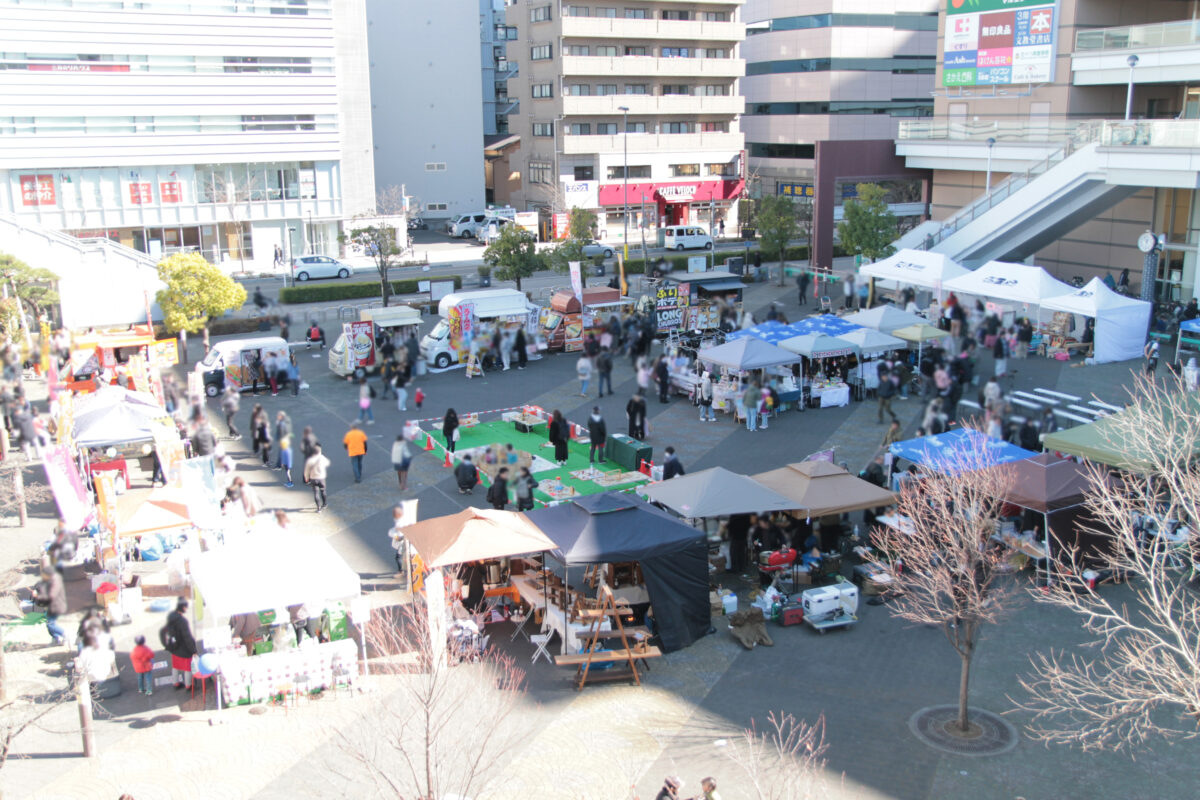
{"x":613,"y":194}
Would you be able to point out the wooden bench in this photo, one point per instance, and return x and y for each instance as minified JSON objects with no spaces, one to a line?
{"x":581,"y":662}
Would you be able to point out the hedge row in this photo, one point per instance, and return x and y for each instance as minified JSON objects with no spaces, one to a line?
{"x":352,"y":291}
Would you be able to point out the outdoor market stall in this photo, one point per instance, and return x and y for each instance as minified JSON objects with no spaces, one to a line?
{"x":922,"y":268}
{"x":114,"y":416}
{"x":715,"y":492}
{"x":1105,"y":441}
{"x":821,"y":488}
{"x":959,"y":450}
{"x":1017,"y":283}
{"x":919,"y":333}
{"x":885,"y":319}
{"x":823,"y":391}
{"x":740,"y":356}
{"x":619,"y":527}
{"x":262,"y":577}
{"x":1121,"y":322}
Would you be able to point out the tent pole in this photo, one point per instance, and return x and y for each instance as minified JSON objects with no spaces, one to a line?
{"x":566,"y":596}
{"x":1046,"y":530}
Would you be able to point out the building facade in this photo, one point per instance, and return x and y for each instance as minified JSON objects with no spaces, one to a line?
{"x":228,"y":127}
{"x":1061,"y":133}
{"x":628,"y":103}
{"x":427,"y":99}
{"x":494,"y":34}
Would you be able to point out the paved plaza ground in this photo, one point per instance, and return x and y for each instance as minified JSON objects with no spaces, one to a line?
{"x":866,"y":681}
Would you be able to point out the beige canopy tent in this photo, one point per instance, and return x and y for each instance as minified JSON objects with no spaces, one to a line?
{"x":475,"y":534}
{"x":822,"y":488}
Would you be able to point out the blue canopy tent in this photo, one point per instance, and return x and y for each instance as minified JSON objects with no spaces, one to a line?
{"x":770,"y":331}
{"x":959,"y":450}
{"x":828,"y":324}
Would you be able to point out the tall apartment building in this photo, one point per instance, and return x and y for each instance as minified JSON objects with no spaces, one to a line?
{"x":427,"y":102}
{"x":495,"y":33}
{"x":227,"y":127}
{"x":1032,"y":100}
{"x":646,"y":84}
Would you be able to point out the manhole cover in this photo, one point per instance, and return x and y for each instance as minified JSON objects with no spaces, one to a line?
{"x":988,"y":734}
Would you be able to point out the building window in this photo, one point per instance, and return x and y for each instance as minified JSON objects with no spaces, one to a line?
{"x":714,"y":127}
{"x":609,"y":50}
{"x":436,"y":206}
{"x":676,"y":88}
{"x":606,"y":128}
{"x":506,"y":33}
{"x":717,"y":52}
{"x":539,"y":14}
{"x":543,"y":129}
{"x":435,"y":166}
{"x":637,"y":13}
{"x":540,"y":53}
{"x":541,"y":172}
{"x":676,"y":52}
{"x":605,"y":89}
{"x":724,"y":170}
{"x":685,"y":170}
{"x":543,"y":90}
{"x":714,"y":16}
{"x":579,"y":128}
{"x":677,"y":127}
{"x":636,"y":88}
{"x":577,"y":11}
{"x":578,"y":50}
{"x":607,"y":13}
{"x":579,"y":90}
{"x":635,"y":51}
{"x":585,"y":173}
{"x":764,"y":150}
{"x":712,"y":91}
{"x":676,"y":14}
{"x":614,"y":173}
{"x":635,"y":127}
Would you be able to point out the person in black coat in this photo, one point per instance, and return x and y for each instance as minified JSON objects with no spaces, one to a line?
{"x":559,"y":433}
{"x":663,"y":376}
{"x":522,"y":348}
{"x":466,"y":475}
{"x":449,"y":426}
{"x":739,"y":537}
{"x":597,"y":435}
{"x":635,"y":410}
{"x":179,"y":643}
{"x":497,"y":493}
{"x":671,"y":466}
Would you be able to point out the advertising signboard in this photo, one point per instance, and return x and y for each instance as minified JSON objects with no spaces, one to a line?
{"x":998,"y":42}
{"x":360,"y":338}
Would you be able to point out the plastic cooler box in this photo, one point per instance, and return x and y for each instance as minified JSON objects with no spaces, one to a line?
{"x":825,"y":601}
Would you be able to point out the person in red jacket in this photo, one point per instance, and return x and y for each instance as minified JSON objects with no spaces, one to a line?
{"x":143,"y":664}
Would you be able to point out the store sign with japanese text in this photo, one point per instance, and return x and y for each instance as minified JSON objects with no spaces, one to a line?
{"x":998,"y":42}
{"x":170,"y":192}
{"x":141,"y":193}
{"x":38,"y":190}
{"x":670,"y":305}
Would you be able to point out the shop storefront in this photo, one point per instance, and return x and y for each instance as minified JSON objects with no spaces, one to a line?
{"x":711,"y":204}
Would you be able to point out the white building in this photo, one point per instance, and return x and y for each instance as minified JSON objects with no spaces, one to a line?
{"x":651,"y":82}
{"x":225,"y":126}
{"x":427,"y":98}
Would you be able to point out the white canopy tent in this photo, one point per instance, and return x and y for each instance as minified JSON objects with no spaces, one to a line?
{"x":819,"y":345}
{"x":870,"y":342}
{"x":885,"y":318}
{"x":747,"y":353}
{"x":1018,"y":283}
{"x":1121,"y":322}
{"x":916,"y":268}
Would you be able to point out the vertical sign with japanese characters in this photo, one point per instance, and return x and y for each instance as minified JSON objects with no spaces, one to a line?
{"x":38,"y":190}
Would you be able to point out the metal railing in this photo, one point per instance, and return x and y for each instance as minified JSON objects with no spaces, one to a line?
{"x":1183,"y":33}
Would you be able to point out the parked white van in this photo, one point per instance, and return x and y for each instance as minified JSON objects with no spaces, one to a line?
{"x":465,"y":226}
{"x":686,"y":237}
{"x":228,"y":362}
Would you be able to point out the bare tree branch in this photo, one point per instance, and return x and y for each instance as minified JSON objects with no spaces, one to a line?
{"x":783,"y":760}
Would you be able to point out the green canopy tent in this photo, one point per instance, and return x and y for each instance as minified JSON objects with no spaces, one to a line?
{"x":1105,"y":440}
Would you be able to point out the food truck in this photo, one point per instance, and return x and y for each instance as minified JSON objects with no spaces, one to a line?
{"x":466,"y":315}
{"x":567,"y":321}
{"x":355,"y":352}
{"x":693,"y":301}
{"x":96,"y":351}
{"x":229,"y":363}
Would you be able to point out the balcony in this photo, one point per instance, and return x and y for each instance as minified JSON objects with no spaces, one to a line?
{"x":664,"y":29}
{"x":730,"y":143}
{"x":642,"y":105}
{"x":648,"y":66}
{"x":1168,"y":52}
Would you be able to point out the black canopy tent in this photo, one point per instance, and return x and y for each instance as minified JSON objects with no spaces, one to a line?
{"x":615,"y":527}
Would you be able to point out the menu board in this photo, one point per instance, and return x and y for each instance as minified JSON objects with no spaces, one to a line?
{"x":998,"y":42}
{"x":670,"y":305}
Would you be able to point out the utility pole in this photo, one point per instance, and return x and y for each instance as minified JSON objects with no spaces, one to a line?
{"x":83,"y":698}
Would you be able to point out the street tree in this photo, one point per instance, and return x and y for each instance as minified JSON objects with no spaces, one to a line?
{"x":439,"y":728}
{"x":778,"y":220}
{"x":513,"y":255}
{"x":868,"y":226}
{"x":196,"y":291}
{"x":1138,"y":680}
{"x":781,"y":760}
{"x":37,"y":288}
{"x":944,"y":571}
{"x":379,"y":236}
{"x":581,"y":229}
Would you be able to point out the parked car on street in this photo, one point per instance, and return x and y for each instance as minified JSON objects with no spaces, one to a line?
{"x":307,"y":267}
{"x":596,"y":249}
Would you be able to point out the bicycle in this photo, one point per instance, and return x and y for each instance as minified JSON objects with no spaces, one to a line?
{"x":267,"y":308}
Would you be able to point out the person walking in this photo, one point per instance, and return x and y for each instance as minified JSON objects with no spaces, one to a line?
{"x":366,"y":392}
{"x":283,"y":427}
{"x":635,"y":412}
{"x":583,"y":371}
{"x":387,"y":378}
{"x":355,"y":442}
{"x":450,"y":429}
{"x":604,"y":365}
{"x":750,"y":398}
{"x":522,"y":348}
{"x":885,"y":393}
{"x":497,"y":493}
{"x":308,"y":446}
{"x":597,"y":435}
{"x":316,"y":469}
{"x":705,"y":397}
{"x":262,"y":436}
{"x":177,"y":639}
{"x":231,"y":401}
{"x":848,"y":290}
{"x":285,"y":457}
{"x":1150,"y":351}
{"x":559,"y":433}
{"x":401,"y":460}
{"x":671,"y":466}
{"x":142,"y":658}
{"x":802,"y":281}
{"x":506,"y":348}
{"x":255,"y":413}
{"x":523,"y":488}
{"x":50,"y":594}
{"x":400,"y":382}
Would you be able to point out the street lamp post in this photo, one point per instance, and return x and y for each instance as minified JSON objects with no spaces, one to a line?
{"x":987,"y":186}
{"x":287,"y":255}
{"x":625,"y":171}
{"x":1132,"y":62}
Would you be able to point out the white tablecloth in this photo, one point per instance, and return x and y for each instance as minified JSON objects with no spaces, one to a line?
{"x":833,"y":395}
{"x":573,"y":635}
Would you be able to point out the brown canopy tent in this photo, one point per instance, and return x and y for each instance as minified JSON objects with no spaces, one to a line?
{"x":821,"y":488}
{"x":475,"y":534}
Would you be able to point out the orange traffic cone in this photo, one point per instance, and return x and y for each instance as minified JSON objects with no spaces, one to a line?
{"x":448,"y":463}
{"x":483,"y":477}
{"x":428,"y":442}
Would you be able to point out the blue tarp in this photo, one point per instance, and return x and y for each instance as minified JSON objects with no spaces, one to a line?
{"x":1192,"y":325}
{"x":776,"y":332}
{"x":770,"y":331}
{"x":959,"y":450}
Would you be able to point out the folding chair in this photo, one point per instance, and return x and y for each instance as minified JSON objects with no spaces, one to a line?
{"x":541,"y":640}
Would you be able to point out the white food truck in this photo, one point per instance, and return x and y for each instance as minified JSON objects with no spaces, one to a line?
{"x":356,"y":350}
{"x":465,"y":315}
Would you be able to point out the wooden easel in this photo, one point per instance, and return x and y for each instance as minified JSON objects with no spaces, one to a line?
{"x":583,"y":661}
